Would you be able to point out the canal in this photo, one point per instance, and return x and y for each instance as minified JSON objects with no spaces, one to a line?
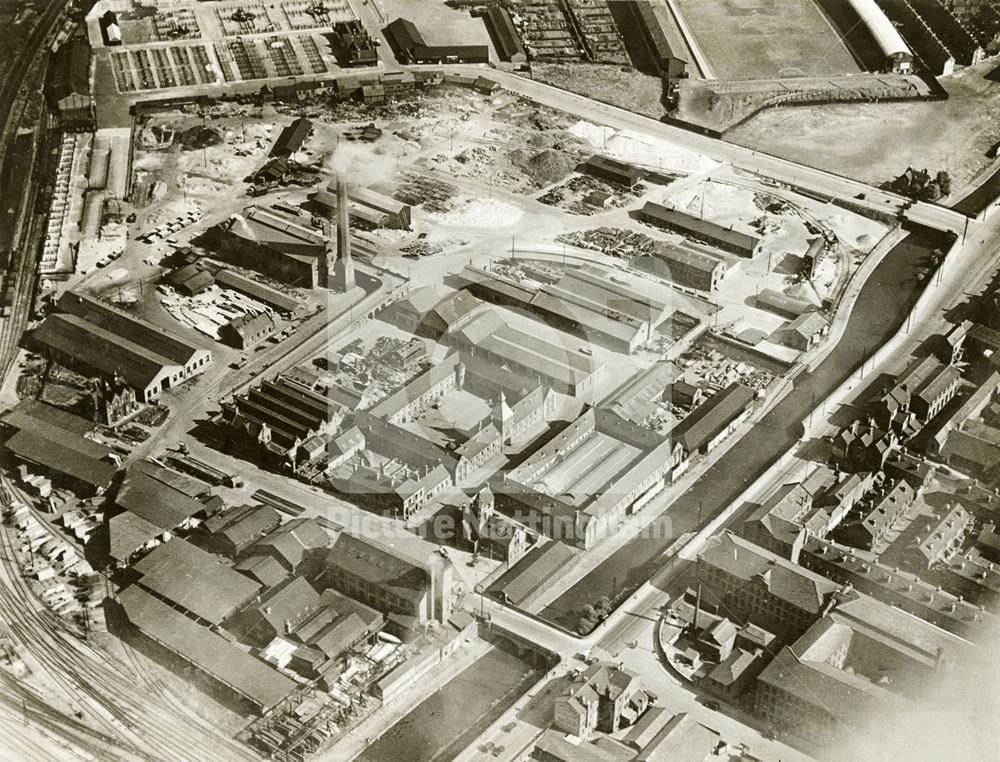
{"x":440,"y":727}
{"x":882,"y":305}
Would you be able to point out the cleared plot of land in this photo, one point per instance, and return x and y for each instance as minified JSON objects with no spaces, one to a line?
{"x":875,"y":143}
{"x":588,"y":468}
{"x":751,"y":39}
{"x":622,"y":87}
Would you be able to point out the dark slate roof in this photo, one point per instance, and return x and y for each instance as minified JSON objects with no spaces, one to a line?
{"x":195,"y":580}
{"x":69,"y":72}
{"x":712,"y":416}
{"x":155,"y":501}
{"x":377,"y":566}
{"x":699,"y":228}
{"x":74,"y":456}
{"x":292,"y":137}
{"x":243,"y":673}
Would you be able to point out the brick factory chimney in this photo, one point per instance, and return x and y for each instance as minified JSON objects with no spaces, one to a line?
{"x":344,"y":268}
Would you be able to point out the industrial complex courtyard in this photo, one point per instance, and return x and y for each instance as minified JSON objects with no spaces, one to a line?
{"x":563,"y":380}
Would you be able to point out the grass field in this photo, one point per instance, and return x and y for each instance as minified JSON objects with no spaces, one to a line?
{"x":762,"y":39}
{"x":632,"y":90}
{"x":878,"y":142}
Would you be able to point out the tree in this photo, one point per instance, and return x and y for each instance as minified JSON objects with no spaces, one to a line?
{"x":944,"y":182}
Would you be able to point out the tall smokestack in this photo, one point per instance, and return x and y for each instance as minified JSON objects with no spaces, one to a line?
{"x":344,"y":268}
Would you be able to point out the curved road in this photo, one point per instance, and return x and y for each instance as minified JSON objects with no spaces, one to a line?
{"x":881,"y":306}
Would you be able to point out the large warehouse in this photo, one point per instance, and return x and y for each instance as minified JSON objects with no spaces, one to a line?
{"x":95,"y":337}
{"x":720,"y":236}
{"x":277,"y":246}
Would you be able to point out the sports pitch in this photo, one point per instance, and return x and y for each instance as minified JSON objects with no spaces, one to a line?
{"x":764,"y":39}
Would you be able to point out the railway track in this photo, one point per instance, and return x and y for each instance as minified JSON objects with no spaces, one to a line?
{"x":138,"y":712}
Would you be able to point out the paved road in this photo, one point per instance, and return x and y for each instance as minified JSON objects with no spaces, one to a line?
{"x":881,"y":307}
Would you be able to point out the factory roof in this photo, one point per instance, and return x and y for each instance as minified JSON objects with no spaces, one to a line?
{"x":246,"y":326}
{"x":156,"y":502}
{"x":742,"y":559}
{"x":505,"y":35}
{"x":782,"y":304}
{"x":212,"y":653}
{"x":712,"y":416}
{"x":976,"y":450}
{"x":129,"y":328}
{"x":291,"y":541}
{"x":635,"y":399}
{"x":249,"y":525}
{"x":292,"y":137}
{"x":630,"y":173}
{"x":195,"y":580}
{"x":104,"y":351}
{"x":69,"y":71}
{"x":699,"y":228}
{"x":73,"y":456}
{"x":807,"y":324}
{"x":376,"y":565}
{"x":128,"y":532}
{"x":269,"y":296}
{"x":264,"y":569}
{"x":40,"y":416}
{"x":532,"y":350}
{"x":685,"y":255}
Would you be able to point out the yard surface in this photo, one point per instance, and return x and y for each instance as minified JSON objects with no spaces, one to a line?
{"x":762,"y":39}
{"x":877,"y":142}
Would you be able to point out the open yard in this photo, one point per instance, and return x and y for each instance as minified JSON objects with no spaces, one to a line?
{"x":760,"y":39}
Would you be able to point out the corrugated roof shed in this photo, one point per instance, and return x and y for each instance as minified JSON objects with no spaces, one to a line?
{"x":712,"y":416}
{"x":105,"y":352}
{"x":246,"y":675}
{"x":195,"y":580}
{"x":255,"y":290}
{"x":678,"y":220}
{"x":154,"y":501}
{"x":292,"y":137}
{"x":76,"y":457}
{"x":127,"y":533}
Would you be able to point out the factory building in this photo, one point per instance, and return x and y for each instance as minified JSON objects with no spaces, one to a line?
{"x":68,"y":86}
{"x":720,"y":236}
{"x":684,"y":265}
{"x":282,"y":423}
{"x":658,"y":29}
{"x":410,"y":48}
{"x":712,"y":421}
{"x":590,"y":476}
{"x":272,"y":244}
{"x":97,"y":338}
{"x":506,"y":40}
{"x":370,"y":208}
{"x":56,"y":442}
{"x":247,"y":331}
{"x":407,"y":580}
{"x":273,"y":298}
{"x":291,"y":138}
{"x":544,"y":355}
{"x":612,"y":170}
{"x":157,"y":627}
